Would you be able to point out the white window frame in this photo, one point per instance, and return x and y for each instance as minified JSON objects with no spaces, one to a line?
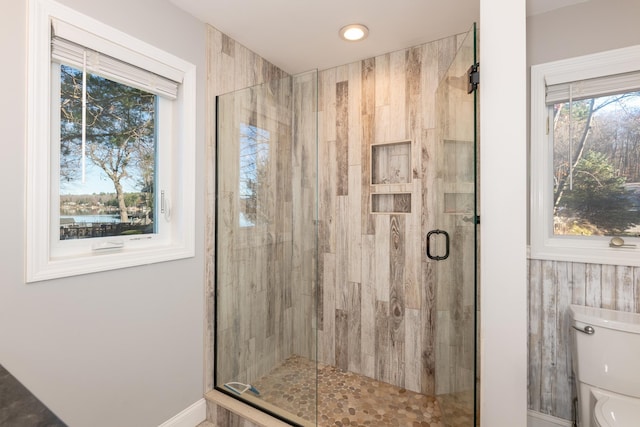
{"x":544,"y":244}
{"x":47,"y":257}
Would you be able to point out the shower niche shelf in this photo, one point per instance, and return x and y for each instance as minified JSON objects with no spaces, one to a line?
{"x":391,"y":177}
{"x":391,"y":203}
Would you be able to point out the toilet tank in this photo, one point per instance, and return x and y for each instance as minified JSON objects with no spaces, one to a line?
{"x":608,"y":358}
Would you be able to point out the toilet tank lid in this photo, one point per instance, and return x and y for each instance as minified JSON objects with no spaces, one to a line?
{"x":611,"y":319}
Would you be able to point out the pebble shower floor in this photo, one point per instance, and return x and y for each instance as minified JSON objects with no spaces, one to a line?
{"x":348,"y":399}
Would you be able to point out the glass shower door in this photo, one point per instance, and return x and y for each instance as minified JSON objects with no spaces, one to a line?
{"x":452,"y":245}
{"x":265,"y":343}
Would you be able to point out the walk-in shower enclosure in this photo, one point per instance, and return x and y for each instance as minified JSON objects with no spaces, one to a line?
{"x":345,"y":279}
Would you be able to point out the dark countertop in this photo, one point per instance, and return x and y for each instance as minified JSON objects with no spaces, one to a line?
{"x":20,"y":408}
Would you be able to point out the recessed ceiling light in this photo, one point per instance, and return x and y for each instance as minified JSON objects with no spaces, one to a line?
{"x":354,"y":32}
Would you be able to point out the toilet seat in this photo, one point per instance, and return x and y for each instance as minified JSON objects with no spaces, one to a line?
{"x":613,"y":411}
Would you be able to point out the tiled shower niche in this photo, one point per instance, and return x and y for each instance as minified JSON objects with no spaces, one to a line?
{"x":391,"y":163}
{"x":391,"y":177}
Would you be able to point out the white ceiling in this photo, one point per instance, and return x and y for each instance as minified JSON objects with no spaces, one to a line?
{"x":300,"y":35}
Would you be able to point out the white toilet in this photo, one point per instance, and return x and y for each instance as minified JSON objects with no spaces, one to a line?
{"x":606,"y":365}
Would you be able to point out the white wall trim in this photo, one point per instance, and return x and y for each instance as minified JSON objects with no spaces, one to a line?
{"x":503,"y":176}
{"x":190,"y":417}
{"x":538,"y":419}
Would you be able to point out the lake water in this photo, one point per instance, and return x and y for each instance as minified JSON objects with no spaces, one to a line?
{"x":92,"y":218}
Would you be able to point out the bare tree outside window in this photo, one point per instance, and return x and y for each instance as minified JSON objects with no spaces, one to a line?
{"x":254,"y":158}
{"x":119,"y":153}
{"x":596,"y":161}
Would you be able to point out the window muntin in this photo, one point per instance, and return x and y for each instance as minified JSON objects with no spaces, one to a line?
{"x":596,"y":166}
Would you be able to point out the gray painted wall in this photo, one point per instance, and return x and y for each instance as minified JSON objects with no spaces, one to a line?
{"x":116,"y":348}
{"x":594,"y":26}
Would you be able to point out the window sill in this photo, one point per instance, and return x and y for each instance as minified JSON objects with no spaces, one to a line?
{"x":95,"y":262}
{"x":578,"y":250}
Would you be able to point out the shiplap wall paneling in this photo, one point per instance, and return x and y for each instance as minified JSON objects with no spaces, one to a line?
{"x":553,"y":285}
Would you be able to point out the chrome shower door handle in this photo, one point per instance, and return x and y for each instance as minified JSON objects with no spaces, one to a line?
{"x":446,"y":251}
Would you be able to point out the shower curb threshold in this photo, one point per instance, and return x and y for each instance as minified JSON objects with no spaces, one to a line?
{"x":252,"y":414}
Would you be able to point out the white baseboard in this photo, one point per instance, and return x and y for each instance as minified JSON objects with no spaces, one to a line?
{"x":190,"y":417}
{"x":538,"y":419}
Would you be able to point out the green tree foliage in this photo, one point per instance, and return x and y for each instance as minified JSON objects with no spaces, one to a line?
{"x":120,"y":131}
{"x":599,"y":196}
{"x":132,"y":199}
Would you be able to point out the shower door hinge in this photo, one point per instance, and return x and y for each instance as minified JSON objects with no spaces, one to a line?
{"x":474,"y":77}
{"x":473,"y":219}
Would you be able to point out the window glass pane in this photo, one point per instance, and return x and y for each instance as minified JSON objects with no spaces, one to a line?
{"x":254,"y":157}
{"x":107,"y":183}
{"x":596,"y":166}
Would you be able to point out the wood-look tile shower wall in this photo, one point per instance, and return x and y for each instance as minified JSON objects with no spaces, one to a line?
{"x":266,"y":243}
{"x":376,"y":290}
{"x":231,"y":67}
{"x":255,"y":299}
